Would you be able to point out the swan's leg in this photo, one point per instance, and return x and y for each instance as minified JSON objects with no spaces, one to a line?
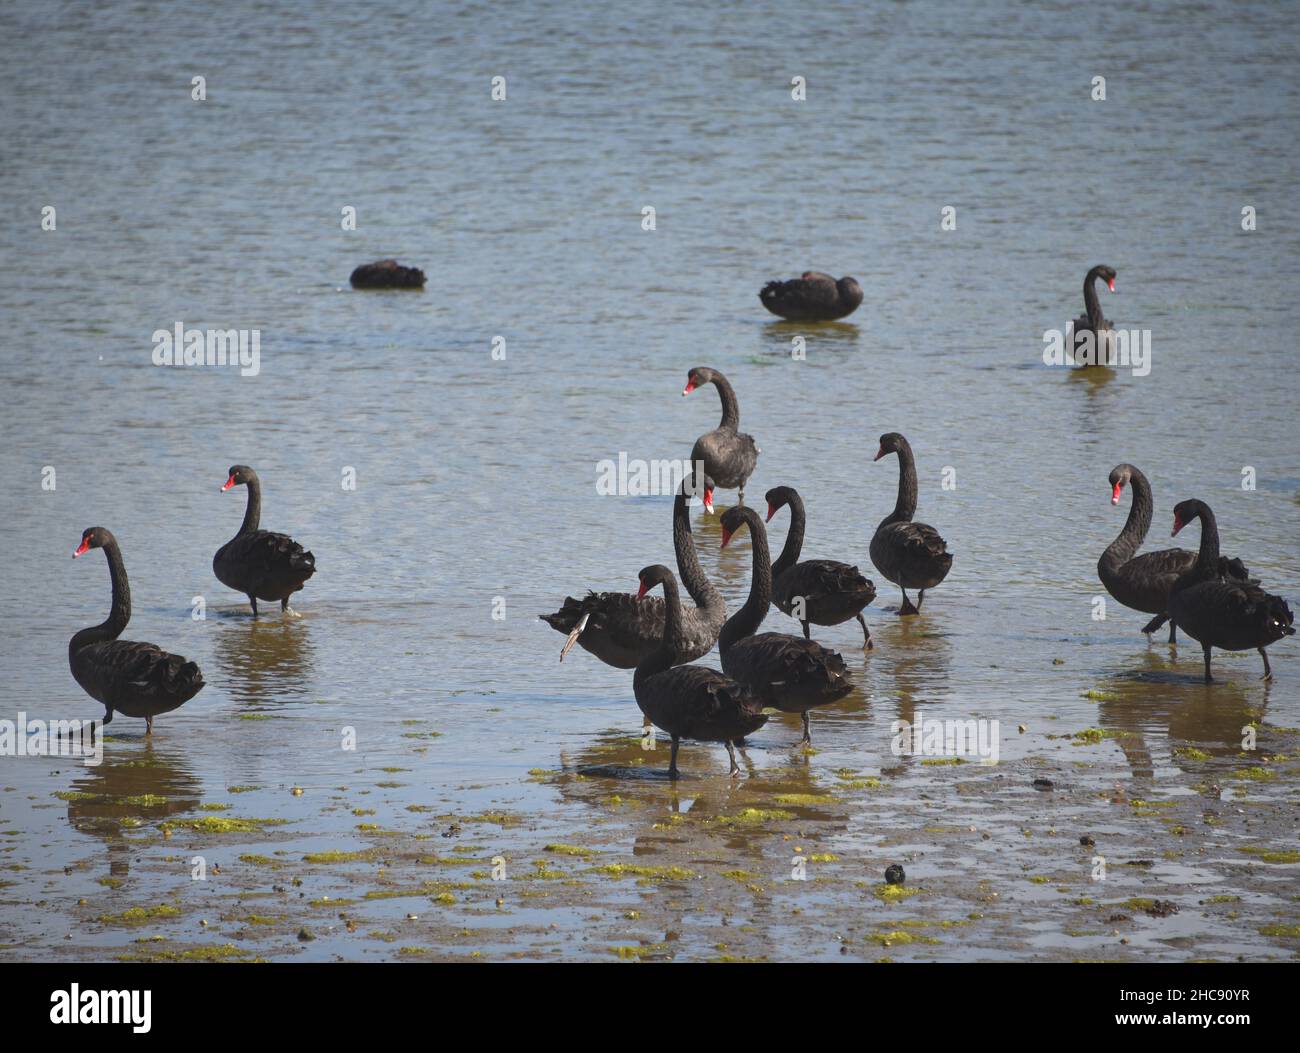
{"x":920,"y":599}
{"x":867,"y":645}
{"x":286,"y":609}
{"x":148,"y":725}
{"x":1268,"y":673}
{"x":573,"y":638}
{"x":253,"y":600}
{"x":806,"y":736}
{"x":1154,"y":623}
{"x":740,"y":496}
{"x":108,"y":715}
{"x":807,"y":634}
{"x":672,"y":761}
{"x":731,"y":752}
{"x":1173,"y":632}
{"x":1208,"y":678}
{"x":907,"y":607}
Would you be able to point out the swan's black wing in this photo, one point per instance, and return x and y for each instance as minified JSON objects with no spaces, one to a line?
{"x":695,"y":702}
{"x":788,"y":668}
{"x":816,"y":579}
{"x":630,"y":622}
{"x":126,"y":675}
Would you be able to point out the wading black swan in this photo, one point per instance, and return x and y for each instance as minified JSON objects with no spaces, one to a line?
{"x":1227,"y":613}
{"x":690,"y":701}
{"x":1142,"y":583}
{"x":812,"y":297}
{"x":137,"y":679}
{"x":911,"y":555}
{"x":816,"y":591}
{"x":1102,"y":333}
{"x":728,"y":455}
{"x":387,"y":274}
{"x":792,"y":673}
{"x":259,"y":563}
{"x":623,"y":630}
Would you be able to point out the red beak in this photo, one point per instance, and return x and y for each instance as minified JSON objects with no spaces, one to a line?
{"x":726,"y":536}
{"x":690,"y":386}
{"x":1114,"y":497}
{"x":771,"y":511}
{"x":1178,"y":524}
{"x":229,"y":483}
{"x":82,"y":548}
{"x":642,"y":591}
{"x":708,"y":501}
{"x":1111,"y":283}
{"x":879,"y":454}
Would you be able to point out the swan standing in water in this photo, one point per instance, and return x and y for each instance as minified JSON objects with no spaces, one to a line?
{"x":261,"y":564}
{"x":911,"y":555}
{"x":728,"y":455}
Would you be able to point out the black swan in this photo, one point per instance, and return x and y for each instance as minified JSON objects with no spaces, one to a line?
{"x":812,"y":297}
{"x":728,"y":455}
{"x":623,"y":630}
{"x":387,"y":274}
{"x":1092,"y":321}
{"x":137,"y":679}
{"x":827,"y":591}
{"x":911,"y":555}
{"x":1215,"y":611}
{"x":1142,"y":583}
{"x":258,"y":563}
{"x":690,"y":701}
{"x":793,"y":674}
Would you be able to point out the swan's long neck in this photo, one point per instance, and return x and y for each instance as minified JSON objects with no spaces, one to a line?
{"x":672,"y":644}
{"x":1091,"y":305}
{"x":1207,"y":557}
{"x":697,"y":583}
{"x":745,"y":622}
{"x":120,"y":615}
{"x":1121,"y":550}
{"x":730,"y":407}
{"x":793,"y":538}
{"x":905,"y":506}
{"x":253,"y":513}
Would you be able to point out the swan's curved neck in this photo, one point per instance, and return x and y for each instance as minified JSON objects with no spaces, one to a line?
{"x":1092,"y":306}
{"x":730,"y":407}
{"x":1121,"y":550}
{"x":252,"y":513}
{"x":745,"y":622}
{"x":673,"y":644}
{"x":697,"y":583}
{"x":905,"y":506}
{"x":1207,"y":557}
{"x":120,"y":614}
{"x":793,"y":538}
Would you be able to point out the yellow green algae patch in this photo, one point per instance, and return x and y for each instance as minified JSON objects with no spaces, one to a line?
{"x":1191,"y":753}
{"x":754,"y":816}
{"x":669,"y":873}
{"x":1269,"y":855}
{"x":898,"y":937}
{"x":224,"y":952}
{"x":242,"y":789}
{"x":892,"y":893}
{"x":803,"y":798}
{"x":258,"y":860}
{"x":569,"y":850}
{"x":1256,"y":774}
{"x":339,"y":856}
{"x":1290,"y":931}
{"x":214,"y":806}
{"x":139,"y":915}
{"x":217,"y":824}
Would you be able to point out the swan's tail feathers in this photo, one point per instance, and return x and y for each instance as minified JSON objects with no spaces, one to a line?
{"x":1280,"y":617}
{"x":573,"y":636}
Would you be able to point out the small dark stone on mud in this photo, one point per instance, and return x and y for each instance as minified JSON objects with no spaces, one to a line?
{"x":1087,"y":841}
{"x":1140,"y":863}
{"x":894,"y":874}
{"x":1162,"y":908}
{"x":1044,"y":784}
{"x":452,"y":830}
{"x":1117,"y":917}
{"x":305,"y":935}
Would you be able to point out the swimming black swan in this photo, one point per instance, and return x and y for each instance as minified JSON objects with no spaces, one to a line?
{"x":911,"y":555}
{"x":690,"y":701}
{"x":623,"y":630}
{"x":387,"y":274}
{"x":1227,"y":613}
{"x":729,"y":456}
{"x":1142,"y":583}
{"x":137,"y":679}
{"x":258,"y":563}
{"x":812,"y":297}
{"x":792,"y":674}
{"x":826,"y":592}
{"x":1091,"y":321}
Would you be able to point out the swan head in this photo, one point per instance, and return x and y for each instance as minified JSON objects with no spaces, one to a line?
{"x":777,"y":498}
{"x":1185,"y":512}
{"x":655,"y":574}
{"x":697,"y":378}
{"x":890,"y":442}
{"x":93,"y":537}
{"x":1119,"y":478}
{"x":1106,"y":274}
{"x":734,"y":518}
{"x":239,"y":475}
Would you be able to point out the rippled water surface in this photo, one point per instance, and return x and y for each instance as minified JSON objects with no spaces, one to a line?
{"x":476,"y":477}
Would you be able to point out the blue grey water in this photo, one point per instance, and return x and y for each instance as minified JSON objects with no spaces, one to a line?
{"x":475,"y":475}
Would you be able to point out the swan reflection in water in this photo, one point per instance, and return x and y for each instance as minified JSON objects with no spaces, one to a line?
{"x":265,"y":660}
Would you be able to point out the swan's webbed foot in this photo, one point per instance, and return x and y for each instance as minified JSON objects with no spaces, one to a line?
{"x":1208,"y":677}
{"x":573,"y":637}
{"x":867,"y":645}
{"x":907,"y":607}
{"x":285,"y":609}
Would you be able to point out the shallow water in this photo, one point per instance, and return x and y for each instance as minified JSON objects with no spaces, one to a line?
{"x":476,"y":478}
